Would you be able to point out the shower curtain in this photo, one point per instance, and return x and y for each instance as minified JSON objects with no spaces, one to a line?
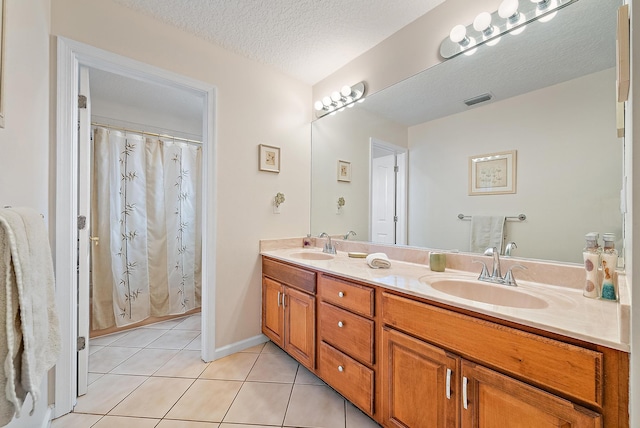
{"x":146,"y":214}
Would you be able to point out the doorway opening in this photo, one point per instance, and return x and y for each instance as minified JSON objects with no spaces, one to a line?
{"x":388,"y":209}
{"x":71,"y":231}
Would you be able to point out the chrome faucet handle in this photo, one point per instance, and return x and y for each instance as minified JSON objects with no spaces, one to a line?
{"x":484,"y":274}
{"x":509,"y":248}
{"x":349,"y":233}
{"x":509,"y":279}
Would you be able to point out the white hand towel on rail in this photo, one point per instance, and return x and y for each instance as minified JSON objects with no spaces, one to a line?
{"x":378,"y":261}
{"x":486,"y":231}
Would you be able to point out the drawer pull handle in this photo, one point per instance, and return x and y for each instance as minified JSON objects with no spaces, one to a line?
{"x":448,"y":384}
{"x":465,"y":402}
{"x":340,"y":368}
{"x":340,"y":324}
{"x":279,"y":294}
{"x":340,"y":294}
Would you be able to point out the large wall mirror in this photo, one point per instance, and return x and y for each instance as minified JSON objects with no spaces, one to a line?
{"x":553,"y":104}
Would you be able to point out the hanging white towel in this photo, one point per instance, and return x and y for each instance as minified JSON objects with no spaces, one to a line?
{"x":486,"y":231}
{"x":29,"y":336}
{"x":378,"y":261}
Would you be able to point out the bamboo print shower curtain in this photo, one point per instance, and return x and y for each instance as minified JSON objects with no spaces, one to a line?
{"x":145,"y":209}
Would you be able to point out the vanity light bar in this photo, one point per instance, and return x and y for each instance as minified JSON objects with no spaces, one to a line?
{"x":512,"y":17}
{"x":338,"y":101}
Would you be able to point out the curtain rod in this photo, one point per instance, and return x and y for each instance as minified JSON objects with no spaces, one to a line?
{"x":153,"y":134}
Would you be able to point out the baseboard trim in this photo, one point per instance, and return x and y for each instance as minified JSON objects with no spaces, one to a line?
{"x":240,"y":346}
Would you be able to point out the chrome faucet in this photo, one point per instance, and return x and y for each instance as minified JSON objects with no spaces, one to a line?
{"x":496,"y":275}
{"x":328,"y":246}
{"x":349,"y":233}
{"x":509,"y":248}
{"x":493,"y":251}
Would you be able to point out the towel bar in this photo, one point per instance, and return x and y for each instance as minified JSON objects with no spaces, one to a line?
{"x":519,"y":217}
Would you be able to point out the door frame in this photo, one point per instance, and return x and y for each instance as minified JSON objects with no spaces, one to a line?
{"x":70,"y":55}
{"x":401,"y":178}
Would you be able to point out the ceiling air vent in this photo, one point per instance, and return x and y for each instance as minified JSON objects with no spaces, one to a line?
{"x":479,"y":99}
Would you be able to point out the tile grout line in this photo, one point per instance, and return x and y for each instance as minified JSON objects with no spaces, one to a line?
{"x":239,"y":389}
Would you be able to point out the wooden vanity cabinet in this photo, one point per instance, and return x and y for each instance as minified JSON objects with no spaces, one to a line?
{"x":346,"y":338}
{"x":418,"y":383}
{"x":426,"y":373}
{"x":289,"y":309}
{"x":493,"y":400}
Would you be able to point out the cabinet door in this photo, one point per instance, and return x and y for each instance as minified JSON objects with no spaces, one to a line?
{"x":493,"y":400}
{"x":273,"y":311}
{"x":418,"y":383}
{"x":300,"y":331}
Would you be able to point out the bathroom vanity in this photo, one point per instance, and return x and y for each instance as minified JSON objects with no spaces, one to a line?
{"x":409,"y":355}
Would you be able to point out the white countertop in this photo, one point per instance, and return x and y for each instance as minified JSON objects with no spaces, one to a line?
{"x":568,"y":312}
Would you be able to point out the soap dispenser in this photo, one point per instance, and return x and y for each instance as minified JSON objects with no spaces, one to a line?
{"x":609,"y":263}
{"x":591,"y":255}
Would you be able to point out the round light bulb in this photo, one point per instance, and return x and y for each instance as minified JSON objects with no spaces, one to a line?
{"x":494,"y":41}
{"x":318,"y":105}
{"x":542,"y":4}
{"x":508,"y":8}
{"x":458,"y":34}
{"x":335,"y":96}
{"x":548,"y":17}
{"x":482,"y":23}
{"x":326,"y":101}
{"x":518,"y":30}
{"x":346,"y":90}
{"x":470,"y":52}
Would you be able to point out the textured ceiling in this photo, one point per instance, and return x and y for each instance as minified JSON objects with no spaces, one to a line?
{"x":306,"y":39}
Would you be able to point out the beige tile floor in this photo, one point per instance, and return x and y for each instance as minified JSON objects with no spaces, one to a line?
{"x":153,"y":377}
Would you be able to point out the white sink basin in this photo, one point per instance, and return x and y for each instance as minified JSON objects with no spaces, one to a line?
{"x":312,"y":256}
{"x":494,"y":294}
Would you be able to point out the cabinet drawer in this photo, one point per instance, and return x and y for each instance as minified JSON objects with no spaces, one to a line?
{"x":347,"y":376}
{"x":566,"y":369}
{"x":356,"y":298}
{"x":298,"y":278}
{"x":346,"y":331}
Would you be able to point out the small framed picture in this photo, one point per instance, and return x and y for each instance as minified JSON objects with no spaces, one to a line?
{"x":493,"y":173}
{"x":269,"y":158}
{"x":344,"y":170}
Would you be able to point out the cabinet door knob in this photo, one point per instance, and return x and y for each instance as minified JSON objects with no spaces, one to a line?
{"x":340,"y":294}
{"x":340,"y":368}
{"x":340,"y":324}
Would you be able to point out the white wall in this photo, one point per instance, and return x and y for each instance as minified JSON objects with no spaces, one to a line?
{"x":24,"y":141}
{"x":568,"y":169}
{"x":256,"y":104}
{"x":346,"y":136}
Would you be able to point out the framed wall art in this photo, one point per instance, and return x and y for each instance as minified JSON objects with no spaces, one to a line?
{"x":493,"y":173}
{"x":269,"y":158}
{"x":344,"y":171}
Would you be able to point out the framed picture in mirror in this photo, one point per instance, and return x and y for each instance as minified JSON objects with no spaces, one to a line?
{"x":493,"y":173}
{"x":344,"y":171}
{"x":269,"y":158}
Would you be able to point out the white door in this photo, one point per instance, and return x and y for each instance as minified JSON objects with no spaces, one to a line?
{"x":84,"y":216}
{"x":383,"y":199}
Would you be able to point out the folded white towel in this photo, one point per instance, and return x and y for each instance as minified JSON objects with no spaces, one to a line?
{"x":378,"y":261}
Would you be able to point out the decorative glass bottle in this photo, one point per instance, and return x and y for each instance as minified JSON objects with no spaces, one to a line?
{"x":609,"y":263}
{"x":591,"y":255}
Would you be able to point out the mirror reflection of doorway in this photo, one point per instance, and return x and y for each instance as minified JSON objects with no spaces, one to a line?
{"x":388,"y":209}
